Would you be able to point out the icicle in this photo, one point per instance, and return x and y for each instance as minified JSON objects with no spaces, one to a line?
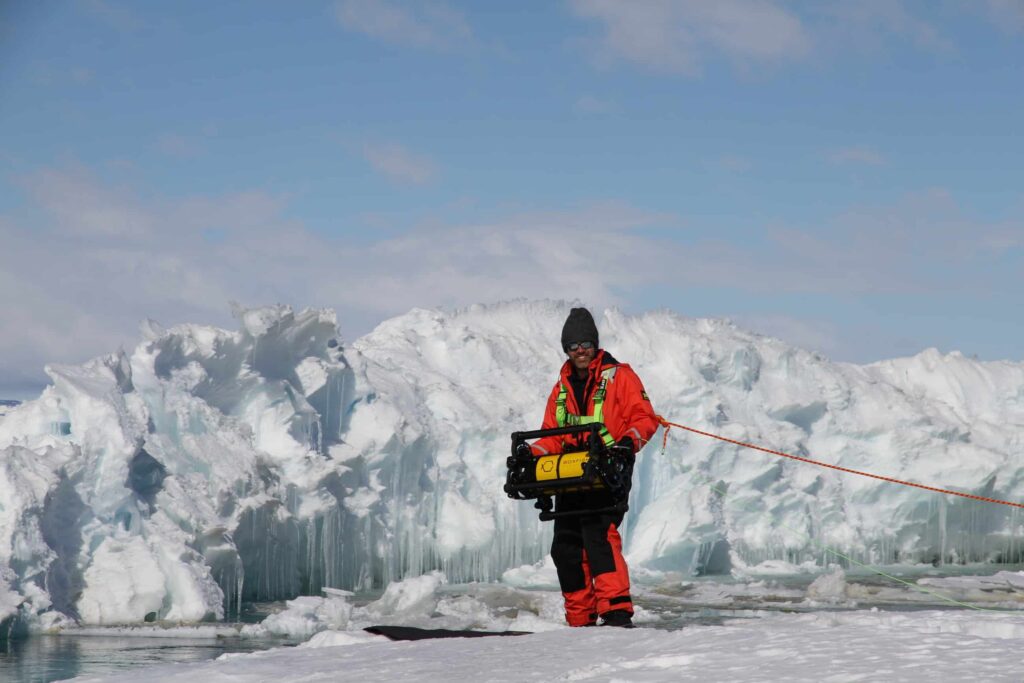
{"x":239,"y":587}
{"x":942,"y":529}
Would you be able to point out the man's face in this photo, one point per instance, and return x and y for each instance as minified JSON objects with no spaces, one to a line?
{"x":581,"y":357}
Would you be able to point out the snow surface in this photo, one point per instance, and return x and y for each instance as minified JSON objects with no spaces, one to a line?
{"x":762,"y":646}
{"x":864,"y":646}
{"x":206,"y":467}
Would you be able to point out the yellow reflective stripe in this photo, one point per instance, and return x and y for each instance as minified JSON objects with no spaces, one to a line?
{"x":560,"y":412}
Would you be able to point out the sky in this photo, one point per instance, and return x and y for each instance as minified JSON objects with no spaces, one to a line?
{"x":845,"y":176}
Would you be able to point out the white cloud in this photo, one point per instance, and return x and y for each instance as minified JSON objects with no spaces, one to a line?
{"x":869,"y":25}
{"x":566,"y":254}
{"x":398,"y":163}
{"x":77,"y":282}
{"x":823,"y":336}
{"x":77,"y":274}
{"x":114,"y":14}
{"x":677,"y":35}
{"x":857,"y":154}
{"x":1005,"y":239}
{"x":588,"y":104}
{"x":80,"y":206}
{"x":681,"y":36}
{"x":178,"y":146}
{"x":921,"y":245}
{"x":424,"y":24}
{"x":1008,"y":15}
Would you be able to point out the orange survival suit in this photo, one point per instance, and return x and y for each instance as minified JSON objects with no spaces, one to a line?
{"x":587,"y":549}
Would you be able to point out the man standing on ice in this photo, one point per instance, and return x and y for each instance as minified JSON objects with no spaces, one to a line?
{"x":587,"y":549}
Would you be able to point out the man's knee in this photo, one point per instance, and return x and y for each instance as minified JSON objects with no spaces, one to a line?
{"x":599,"y":540}
{"x":568,"y":561}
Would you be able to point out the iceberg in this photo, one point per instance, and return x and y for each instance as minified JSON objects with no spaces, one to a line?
{"x":210,"y":467}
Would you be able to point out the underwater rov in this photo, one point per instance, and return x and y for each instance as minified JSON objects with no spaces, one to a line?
{"x":600,"y":468}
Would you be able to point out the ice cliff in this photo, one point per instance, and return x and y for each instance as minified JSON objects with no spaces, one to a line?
{"x":209,"y":467}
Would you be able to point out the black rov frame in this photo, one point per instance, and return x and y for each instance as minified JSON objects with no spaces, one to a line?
{"x":600,"y":468}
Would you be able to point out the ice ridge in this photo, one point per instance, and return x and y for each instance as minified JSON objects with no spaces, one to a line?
{"x":209,"y":467}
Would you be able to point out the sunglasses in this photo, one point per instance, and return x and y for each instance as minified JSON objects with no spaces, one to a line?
{"x":576,"y":346}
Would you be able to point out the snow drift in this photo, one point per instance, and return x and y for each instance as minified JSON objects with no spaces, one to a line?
{"x":209,"y":467}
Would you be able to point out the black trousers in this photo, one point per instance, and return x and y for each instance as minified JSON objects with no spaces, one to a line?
{"x":587,"y":552}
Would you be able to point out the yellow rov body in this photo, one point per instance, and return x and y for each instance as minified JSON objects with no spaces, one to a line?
{"x":565,"y":466}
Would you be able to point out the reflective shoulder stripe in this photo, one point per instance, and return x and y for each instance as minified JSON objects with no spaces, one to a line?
{"x":600,"y":394}
{"x":560,"y":411}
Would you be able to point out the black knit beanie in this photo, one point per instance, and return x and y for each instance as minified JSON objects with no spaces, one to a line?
{"x":579,"y":327}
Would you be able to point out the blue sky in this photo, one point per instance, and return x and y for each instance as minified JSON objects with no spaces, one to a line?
{"x":846,"y":176}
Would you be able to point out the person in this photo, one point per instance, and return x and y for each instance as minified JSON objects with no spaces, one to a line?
{"x":587,"y":549}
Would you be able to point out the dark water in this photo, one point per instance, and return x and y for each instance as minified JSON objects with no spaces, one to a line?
{"x":43,"y":658}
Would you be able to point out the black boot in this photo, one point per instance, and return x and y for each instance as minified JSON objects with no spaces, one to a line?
{"x":617,"y":617}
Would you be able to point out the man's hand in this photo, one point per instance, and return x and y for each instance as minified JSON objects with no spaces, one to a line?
{"x":524,"y":451}
{"x":619,"y":467}
{"x":627,"y":447}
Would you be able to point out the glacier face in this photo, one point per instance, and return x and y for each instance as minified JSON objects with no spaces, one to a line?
{"x":208,"y":467}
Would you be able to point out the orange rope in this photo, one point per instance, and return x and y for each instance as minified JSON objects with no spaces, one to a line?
{"x":668,"y":425}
